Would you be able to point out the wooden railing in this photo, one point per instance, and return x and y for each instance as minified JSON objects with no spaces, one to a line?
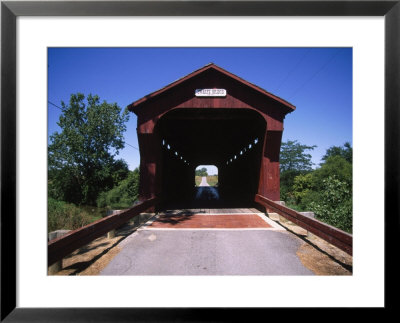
{"x":335,"y":236}
{"x":63,"y":246}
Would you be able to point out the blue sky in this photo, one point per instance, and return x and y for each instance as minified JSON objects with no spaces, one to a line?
{"x":318,"y":81}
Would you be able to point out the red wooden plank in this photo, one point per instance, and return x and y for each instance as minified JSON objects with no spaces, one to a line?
{"x":335,"y":236}
{"x":63,"y":246}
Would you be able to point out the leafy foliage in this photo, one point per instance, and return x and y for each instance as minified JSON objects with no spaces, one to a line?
{"x":82,"y":156}
{"x":294,"y":161}
{"x":334,"y":165}
{"x":293,"y":157}
{"x":201,"y":172}
{"x":302,"y":186}
{"x":123,"y":195}
{"x":327,"y":190}
{"x":335,"y":206}
{"x":346,"y":152}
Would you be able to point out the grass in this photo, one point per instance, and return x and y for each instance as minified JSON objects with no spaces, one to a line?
{"x":197,"y":180}
{"x":211,"y":180}
{"x":94,"y":212}
{"x":67,"y":216}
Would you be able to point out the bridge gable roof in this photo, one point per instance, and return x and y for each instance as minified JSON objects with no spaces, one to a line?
{"x":222,"y":76}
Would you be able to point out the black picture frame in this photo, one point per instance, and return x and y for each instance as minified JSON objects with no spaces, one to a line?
{"x":10,"y":10}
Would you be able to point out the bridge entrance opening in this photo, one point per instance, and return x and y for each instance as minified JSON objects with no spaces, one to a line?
{"x":206,"y":175}
{"x":229,"y":139}
{"x":206,"y":185}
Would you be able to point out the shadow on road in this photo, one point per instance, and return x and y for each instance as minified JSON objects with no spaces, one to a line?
{"x":86,"y":256}
{"x":173,"y":217}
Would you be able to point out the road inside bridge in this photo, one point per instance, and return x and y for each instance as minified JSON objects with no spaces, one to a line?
{"x":245,"y":243}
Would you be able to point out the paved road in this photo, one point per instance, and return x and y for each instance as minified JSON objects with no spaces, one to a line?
{"x":204,"y":181}
{"x":208,"y":252}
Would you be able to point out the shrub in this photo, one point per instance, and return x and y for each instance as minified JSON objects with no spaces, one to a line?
{"x":123,"y":195}
{"x":302,"y":185}
{"x":335,"y":204}
{"x":334,"y":166}
{"x":286,"y":182}
{"x":62,"y":215}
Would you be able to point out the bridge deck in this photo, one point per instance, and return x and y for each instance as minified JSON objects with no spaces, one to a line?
{"x":243,"y":218}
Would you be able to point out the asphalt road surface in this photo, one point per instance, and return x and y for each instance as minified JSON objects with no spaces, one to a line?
{"x":173,"y":251}
{"x":208,"y":252}
{"x":204,"y":181}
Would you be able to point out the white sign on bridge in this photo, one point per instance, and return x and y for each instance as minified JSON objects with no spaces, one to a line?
{"x":210,"y":92}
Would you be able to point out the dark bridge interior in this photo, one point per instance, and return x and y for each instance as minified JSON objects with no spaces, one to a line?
{"x":231,"y":139}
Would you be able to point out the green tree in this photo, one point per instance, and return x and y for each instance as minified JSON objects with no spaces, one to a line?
{"x":335,"y":206}
{"x":294,"y":160}
{"x":124,"y":195}
{"x":335,"y":165}
{"x":345,"y":151}
{"x":82,"y":156}
{"x":119,"y":170}
{"x":327,"y":191}
{"x":293,"y":157}
{"x":201,"y":172}
{"x":302,"y":186}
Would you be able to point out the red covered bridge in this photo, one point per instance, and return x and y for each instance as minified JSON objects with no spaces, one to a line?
{"x":212,"y":117}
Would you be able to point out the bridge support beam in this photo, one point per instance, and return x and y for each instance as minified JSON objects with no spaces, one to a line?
{"x":269,"y":184}
{"x":150,"y":166}
{"x":111,"y":234}
{"x":55,"y":268}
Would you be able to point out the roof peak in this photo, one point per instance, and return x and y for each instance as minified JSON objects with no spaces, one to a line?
{"x":203,"y":69}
